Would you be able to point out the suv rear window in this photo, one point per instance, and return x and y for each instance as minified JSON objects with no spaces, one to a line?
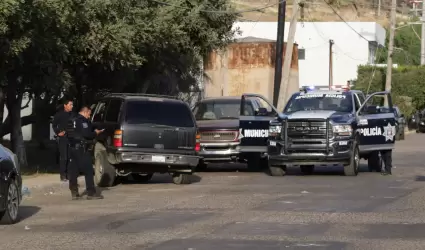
{"x":160,"y":113}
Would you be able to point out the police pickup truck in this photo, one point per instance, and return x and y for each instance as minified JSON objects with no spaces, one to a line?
{"x":328,"y":127}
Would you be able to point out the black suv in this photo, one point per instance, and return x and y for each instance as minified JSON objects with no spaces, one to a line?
{"x":144,"y":134}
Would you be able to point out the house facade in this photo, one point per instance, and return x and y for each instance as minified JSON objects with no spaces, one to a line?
{"x":354,"y":44}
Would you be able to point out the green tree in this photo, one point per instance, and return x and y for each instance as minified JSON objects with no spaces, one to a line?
{"x":407,"y":46}
{"x":82,"y":48}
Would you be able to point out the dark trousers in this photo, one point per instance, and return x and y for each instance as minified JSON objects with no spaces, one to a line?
{"x":63,"y":156}
{"x":81,"y":162}
{"x":387,"y":159}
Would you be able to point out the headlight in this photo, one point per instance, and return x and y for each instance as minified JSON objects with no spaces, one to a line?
{"x":422,"y":123}
{"x":275,"y":130}
{"x":342,"y":129}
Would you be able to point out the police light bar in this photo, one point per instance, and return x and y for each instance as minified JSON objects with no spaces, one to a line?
{"x":305,"y":89}
{"x":340,"y":88}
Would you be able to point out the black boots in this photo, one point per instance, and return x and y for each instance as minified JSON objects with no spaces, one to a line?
{"x":75,"y":195}
{"x":90,"y":195}
{"x":94,"y":196}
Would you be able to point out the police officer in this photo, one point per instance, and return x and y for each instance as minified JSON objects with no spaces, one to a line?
{"x":80,"y":132}
{"x":388,"y":161}
{"x":59,"y":124}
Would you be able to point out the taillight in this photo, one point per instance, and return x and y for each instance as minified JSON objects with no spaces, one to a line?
{"x":198,"y":143}
{"x":117,"y":138}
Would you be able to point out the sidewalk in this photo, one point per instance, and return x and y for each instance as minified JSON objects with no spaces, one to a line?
{"x":45,"y":183}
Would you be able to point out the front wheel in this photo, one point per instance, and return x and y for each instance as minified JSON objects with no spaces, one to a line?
{"x":275,"y":170}
{"x":11,"y":212}
{"x":181,"y":179}
{"x":352,"y":169}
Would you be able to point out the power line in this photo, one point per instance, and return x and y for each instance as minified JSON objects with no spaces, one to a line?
{"x":258,"y":19}
{"x":342,"y":19}
{"x":326,"y":39}
{"x":220,"y":11}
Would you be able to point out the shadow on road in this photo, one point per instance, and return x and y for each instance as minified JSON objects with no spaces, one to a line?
{"x":295,"y":170}
{"x":157,"y":179}
{"x":26,"y":212}
{"x":420,"y":178}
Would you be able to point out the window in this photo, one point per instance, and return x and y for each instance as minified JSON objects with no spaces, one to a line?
{"x":264,"y":104}
{"x":342,"y":102}
{"x":372,"y":52}
{"x":375,"y":105}
{"x":301,"y":54}
{"x":113,"y":111}
{"x":359,"y":100}
{"x":99,"y":114}
{"x":221,"y":109}
{"x":172,"y":114}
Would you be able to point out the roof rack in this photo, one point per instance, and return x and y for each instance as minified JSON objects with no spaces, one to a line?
{"x":141,"y":95}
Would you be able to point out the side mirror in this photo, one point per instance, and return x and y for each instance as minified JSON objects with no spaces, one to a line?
{"x":261,"y":112}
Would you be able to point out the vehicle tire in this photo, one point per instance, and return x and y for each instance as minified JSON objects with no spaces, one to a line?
{"x":352,"y":169}
{"x":181,"y":179}
{"x":141,"y":177}
{"x":307,"y":169}
{"x":104,"y":172}
{"x":374,"y":162}
{"x":11,"y":213}
{"x":275,"y":170}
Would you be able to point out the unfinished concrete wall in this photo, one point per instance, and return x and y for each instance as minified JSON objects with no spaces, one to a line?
{"x":246,"y":66}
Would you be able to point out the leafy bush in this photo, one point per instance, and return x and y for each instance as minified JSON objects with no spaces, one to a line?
{"x":408,"y":85}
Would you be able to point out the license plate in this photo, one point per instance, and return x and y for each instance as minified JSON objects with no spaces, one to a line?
{"x":158,"y":158}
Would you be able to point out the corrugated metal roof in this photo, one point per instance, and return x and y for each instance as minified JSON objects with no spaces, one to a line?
{"x":251,"y":39}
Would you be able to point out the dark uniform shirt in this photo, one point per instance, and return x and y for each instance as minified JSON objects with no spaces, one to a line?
{"x":60,"y":121}
{"x":83,"y":130}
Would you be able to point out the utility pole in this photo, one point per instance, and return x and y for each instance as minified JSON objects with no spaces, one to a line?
{"x":390,"y":49}
{"x":423,"y":35}
{"x":284,"y":86}
{"x":279,"y":50}
{"x":379,"y":8}
{"x":331,"y":80}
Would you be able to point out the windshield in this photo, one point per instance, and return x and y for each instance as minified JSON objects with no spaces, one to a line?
{"x":317,"y":101}
{"x":220,"y":109}
{"x":159,"y":114}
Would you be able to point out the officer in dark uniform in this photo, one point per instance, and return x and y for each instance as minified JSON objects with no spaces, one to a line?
{"x":80,"y":133}
{"x":59,"y":124}
{"x":387,"y":158}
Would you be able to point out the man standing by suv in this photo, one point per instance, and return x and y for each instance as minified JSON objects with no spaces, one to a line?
{"x":59,"y":124}
{"x":80,"y":133}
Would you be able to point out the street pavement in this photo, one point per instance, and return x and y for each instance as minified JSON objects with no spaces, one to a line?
{"x":234,"y":209}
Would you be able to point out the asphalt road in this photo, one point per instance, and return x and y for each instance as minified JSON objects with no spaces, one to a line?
{"x":238,"y":210}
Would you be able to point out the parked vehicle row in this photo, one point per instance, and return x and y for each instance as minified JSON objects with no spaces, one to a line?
{"x":155,"y":134}
{"x":317,"y":127}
